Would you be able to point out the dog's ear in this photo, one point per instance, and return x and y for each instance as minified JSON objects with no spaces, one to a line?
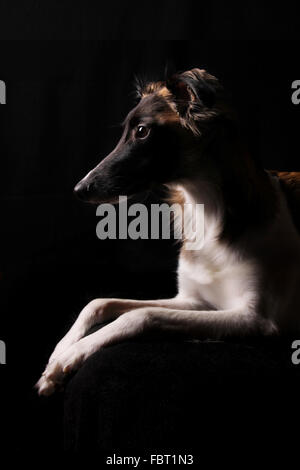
{"x":193,"y":87}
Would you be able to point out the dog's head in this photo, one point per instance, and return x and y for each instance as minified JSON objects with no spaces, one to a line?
{"x":160,"y":135}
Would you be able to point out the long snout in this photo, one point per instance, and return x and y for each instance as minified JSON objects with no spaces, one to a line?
{"x":102,"y":184}
{"x":123,"y":172}
{"x":96,"y":185}
{"x":94,"y":190}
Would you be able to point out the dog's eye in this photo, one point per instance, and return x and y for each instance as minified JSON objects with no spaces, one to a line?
{"x":142,"y":132}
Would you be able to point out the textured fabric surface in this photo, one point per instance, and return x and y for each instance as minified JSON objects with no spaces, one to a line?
{"x":181,"y":395}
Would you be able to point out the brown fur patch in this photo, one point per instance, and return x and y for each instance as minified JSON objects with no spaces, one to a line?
{"x":290,"y":184}
{"x":196,"y":114}
{"x":175,"y":197}
{"x":160,"y":89}
{"x":155,"y":87}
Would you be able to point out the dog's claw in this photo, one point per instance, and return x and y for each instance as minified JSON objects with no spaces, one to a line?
{"x":56,"y":371}
{"x":45,"y":387}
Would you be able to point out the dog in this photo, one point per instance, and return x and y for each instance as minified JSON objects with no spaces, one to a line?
{"x":245,"y":280}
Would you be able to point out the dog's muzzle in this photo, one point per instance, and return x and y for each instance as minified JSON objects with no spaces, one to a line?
{"x":84,"y":190}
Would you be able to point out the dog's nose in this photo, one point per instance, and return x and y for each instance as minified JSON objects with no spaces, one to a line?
{"x":82,"y":190}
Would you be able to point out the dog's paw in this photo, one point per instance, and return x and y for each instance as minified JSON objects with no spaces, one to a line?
{"x":45,"y":387}
{"x":58,"y":369}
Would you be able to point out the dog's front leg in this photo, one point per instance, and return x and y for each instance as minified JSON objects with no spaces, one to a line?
{"x":190,"y":323}
{"x":128,"y":325}
{"x":103,"y":310}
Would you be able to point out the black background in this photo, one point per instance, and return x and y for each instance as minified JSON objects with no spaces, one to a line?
{"x":65,"y":100}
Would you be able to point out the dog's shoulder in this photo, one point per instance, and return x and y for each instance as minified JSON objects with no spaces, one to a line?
{"x":290,"y":185}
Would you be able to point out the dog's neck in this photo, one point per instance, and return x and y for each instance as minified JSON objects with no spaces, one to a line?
{"x":237,"y":194}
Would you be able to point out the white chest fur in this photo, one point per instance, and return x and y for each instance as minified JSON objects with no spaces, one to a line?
{"x":216,"y":275}
{"x":217,"y":279}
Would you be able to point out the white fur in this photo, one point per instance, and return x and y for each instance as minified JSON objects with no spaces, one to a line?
{"x":215,"y":276}
{"x":221,"y":291}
